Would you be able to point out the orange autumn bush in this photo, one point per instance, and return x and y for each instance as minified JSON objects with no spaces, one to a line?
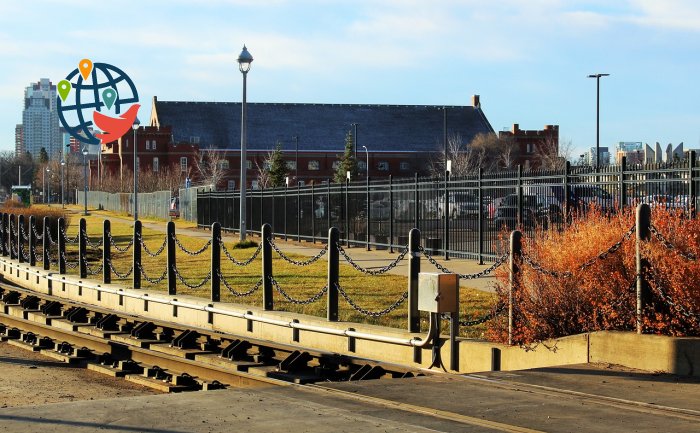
{"x":578,"y":290}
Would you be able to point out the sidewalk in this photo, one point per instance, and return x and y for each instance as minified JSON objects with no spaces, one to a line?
{"x":374,"y":259}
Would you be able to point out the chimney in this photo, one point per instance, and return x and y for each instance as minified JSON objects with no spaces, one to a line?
{"x":475,"y":101}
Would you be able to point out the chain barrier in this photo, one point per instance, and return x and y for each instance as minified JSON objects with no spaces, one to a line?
{"x":612,"y":250}
{"x":236,"y":293}
{"x":500,"y":308}
{"x":188,"y":252}
{"x":36,"y":233}
{"x":91,"y":244}
{"x":298,"y":262}
{"x":92,"y":271}
{"x":116,"y":247}
{"x":479,"y":274}
{"x":51,"y":241}
{"x":192,"y":286}
{"x":25,"y":257}
{"x":308,"y":301}
{"x":538,"y":268}
{"x":666,"y":243}
{"x":379,"y":271}
{"x":679,"y":308}
{"x":623,"y":297}
{"x":123,"y":276}
{"x":69,"y":240}
{"x":152,"y":280}
{"x":69,"y":265}
{"x":23,"y":233}
{"x":233,"y":259}
{"x":369,"y":313}
{"x":39,"y":258}
{"x":149,"y":252}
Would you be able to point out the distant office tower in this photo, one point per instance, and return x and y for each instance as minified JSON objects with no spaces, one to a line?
{"x":40,"y":119}
{"x":19,"y":139}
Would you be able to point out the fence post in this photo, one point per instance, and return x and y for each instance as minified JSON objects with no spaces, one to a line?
{"x":82,"y":259}
{"x":298,"y":211}
{"x":137,"y":255}
{"x":10,"y":241}
{"x":313,"y":215}
{"x":514,"y":268}
{"x":565,"y":199}
{"x":46,"y":245}
{"x":20,"y":238}
{"x":643,"y":234}
{"x":413,"y":271}
{"x":262,"y":207}
{"x":346,"y":213}
{"x":170,"y":242}
{"x":333,"y":271}
{"x":391,"y":214}
{"x":61,"y":237}
{"x":481,"y":216}
{"x":328,"y":203}
{"x":623,"y":190}
{"x":416,"y":201}
{"x":216,"y":262}
{"x":32,"y":240}
{"x":520,"y":195}
{"x":268,"y":304}
{"x":369,"y":213}
{"x":691,"y":184}
{"x":446,"y":206}
{"x":3,"y":234}
{"x":286,"y":211}
{"x":106,"y":252}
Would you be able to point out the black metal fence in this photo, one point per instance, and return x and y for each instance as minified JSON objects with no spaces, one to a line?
{"x":457,"y":216}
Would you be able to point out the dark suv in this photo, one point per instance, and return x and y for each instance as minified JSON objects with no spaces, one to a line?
{"x":536,"y":210}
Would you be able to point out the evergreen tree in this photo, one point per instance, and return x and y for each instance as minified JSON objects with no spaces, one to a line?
{"x":347,"y":161}
{"x":43,"y":156}
{"x":277,"y":168}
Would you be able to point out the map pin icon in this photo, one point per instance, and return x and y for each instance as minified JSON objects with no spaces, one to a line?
{"x":85,"y":67}
{"x":109,"y":95}
{"x":64,"y":88}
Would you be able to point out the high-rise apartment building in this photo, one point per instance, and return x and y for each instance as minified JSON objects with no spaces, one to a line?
{"x":19,"y":139}
{"x":40,"y":119}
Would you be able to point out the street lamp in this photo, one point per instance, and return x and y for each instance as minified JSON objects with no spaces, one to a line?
{"x":597,"y":118}
{"x":85,"y":153}
{"x":367,"y":155}
{"x":244,"y":61}
{"x":48,"y":186}
{"x":135,"y":126}
{"x":63,"y":201}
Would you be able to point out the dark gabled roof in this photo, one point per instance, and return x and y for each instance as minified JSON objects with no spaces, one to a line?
{"x":320,"y":127}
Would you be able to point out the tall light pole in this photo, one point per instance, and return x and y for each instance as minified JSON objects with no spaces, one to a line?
{"x":85,"y":178}
{"x":48,"y":186}
{"x":597,"y":118}
{"x":244,"y":61}
{"x":135,"y":127}
{"x":43,"y":186}
{"x":63,"y":201}
{"x":367,"y":155}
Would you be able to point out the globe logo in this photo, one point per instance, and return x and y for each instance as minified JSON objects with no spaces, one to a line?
{"x":97,"y":103}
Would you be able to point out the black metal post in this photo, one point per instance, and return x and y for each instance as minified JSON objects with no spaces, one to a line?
{"x":137,"y":255}
{"x":298,"y":211}
{"x":333,"y":274}
{"x":61,"y":237}
{"x":268,"y":303}
{"x":216,"y":260}
{"x":416,"y":203}
{"x":413,"y":271}
{"x":46,"y":244}
{"x":3,"y":233}
{"x":447,"y":215}
{"x":82,"y":247}
{"x":567,"y":199}
{"x":286,"y":211}
{"x":328,"y":203}
{"x":313,"y":215}
{"x":520,"y":196}
{"x":32,"y":240}
{"x":514,"y":267}
{"x":346,"y":212}
{"x":369,"y":213}
{"x":20,"y":238}
{"x":106,"y":252}
{"x":643,"y":234}
{"x":623,"y":191}
{"x":691,"y":184}
{"x":10,"y":236}
{"x":391,"y":214}
{"x":170,"y":242}
{"x":481,"y":216}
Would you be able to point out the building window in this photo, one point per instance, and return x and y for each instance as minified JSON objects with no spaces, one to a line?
{"x":291,"y":165}
{"x":266,"y":165}
{"x":336,"y":164}
{"x":529,"y":148}
{"x":148,"y":144}
{"x":223,"y":165}
{"x":383,"y":166}
{"x":405,"y":166}
{"x":194,"y":140}
{"x":255,"y":184}
{"x":231,"y":185}
{"x":314,"y":165}
{"x":183,"y":164}
{"x":156,"y":164}
{"x":138,"y":163}
{"x":249,"y":164}
{"x":153,"y":145}
{"x":362,"y":165}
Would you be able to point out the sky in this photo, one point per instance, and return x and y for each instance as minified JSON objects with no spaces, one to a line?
{"x":527,"y":59}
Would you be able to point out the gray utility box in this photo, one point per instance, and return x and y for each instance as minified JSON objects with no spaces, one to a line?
{"x":438,"y":293}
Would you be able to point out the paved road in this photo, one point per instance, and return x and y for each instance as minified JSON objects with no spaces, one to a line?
{"x":572,"y":399}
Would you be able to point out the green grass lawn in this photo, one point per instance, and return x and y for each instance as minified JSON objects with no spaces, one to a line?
{"x":373,"y":293}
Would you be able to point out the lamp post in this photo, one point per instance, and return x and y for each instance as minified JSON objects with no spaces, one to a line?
{"x":85,"y":153}
{"x":135,"y":127}
{"x":367,"y":155}
{"x":48,"y":186}
{"x":63,"y":201}
{"x":43,"y":186}
{"x":244,"y":61}
{"x":597,"y":118}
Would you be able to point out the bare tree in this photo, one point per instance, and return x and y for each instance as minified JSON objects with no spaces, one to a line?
{"x":464,"y":159}
{"x":553,"y":155}
{"x":211,"y":167}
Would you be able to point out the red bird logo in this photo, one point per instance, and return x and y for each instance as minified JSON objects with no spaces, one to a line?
{"x":114,"y":127}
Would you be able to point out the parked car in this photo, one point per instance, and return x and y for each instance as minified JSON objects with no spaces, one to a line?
{"x":174,"y":210}
{"x":460,"y":205}
{"x":537,"y":210}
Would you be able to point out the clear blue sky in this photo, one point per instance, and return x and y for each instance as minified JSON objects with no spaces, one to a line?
{"x":528,"y":59}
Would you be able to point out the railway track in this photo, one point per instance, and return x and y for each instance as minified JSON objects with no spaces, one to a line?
{"x":164,"y":355}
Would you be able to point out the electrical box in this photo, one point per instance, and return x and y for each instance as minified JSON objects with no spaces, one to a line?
{"x":438,"y":293}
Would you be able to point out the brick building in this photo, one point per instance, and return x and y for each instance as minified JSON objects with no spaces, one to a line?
{"x":533,"y":147}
